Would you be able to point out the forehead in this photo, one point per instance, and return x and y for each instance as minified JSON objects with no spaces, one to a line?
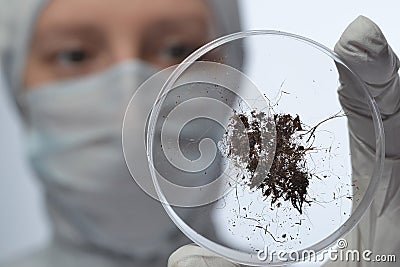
{"x":132,"y":13}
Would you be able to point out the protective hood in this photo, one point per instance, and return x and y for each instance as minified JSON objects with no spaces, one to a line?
{"x":17,"y":21}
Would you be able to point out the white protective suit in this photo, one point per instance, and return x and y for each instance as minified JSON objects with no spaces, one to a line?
{"x":99,"y":216}
{"x":364,"y":48}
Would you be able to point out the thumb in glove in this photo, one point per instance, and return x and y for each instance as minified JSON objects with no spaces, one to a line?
{"x":195,"y":256}
{"x":364,"y":48}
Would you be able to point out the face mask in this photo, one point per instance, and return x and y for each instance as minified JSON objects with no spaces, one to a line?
{"x":74,"y":141}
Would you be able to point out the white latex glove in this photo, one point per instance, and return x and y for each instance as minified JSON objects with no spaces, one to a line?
{"x":195,"y":256}
{"x":365,"y":49}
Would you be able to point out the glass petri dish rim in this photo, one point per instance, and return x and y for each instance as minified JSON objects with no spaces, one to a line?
{"x":240,"y":256}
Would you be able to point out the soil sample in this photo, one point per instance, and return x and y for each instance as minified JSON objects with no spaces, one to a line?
{"x":272,"y":153}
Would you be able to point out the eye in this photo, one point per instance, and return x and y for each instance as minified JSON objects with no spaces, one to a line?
{"x":72,"y":57}
{"x":177,"y":51}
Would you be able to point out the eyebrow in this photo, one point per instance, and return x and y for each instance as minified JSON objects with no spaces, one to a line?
{"x":68,"y":30}
{"x":60,"y":33}
{"x":166,"y":25}
{"x":90,"y":31}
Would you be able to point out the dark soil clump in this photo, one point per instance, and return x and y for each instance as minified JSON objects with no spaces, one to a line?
{"x":286,"y":177}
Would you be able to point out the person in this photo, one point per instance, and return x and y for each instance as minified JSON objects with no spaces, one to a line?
{"x":365,"y":49}
{"x":72,"y":66}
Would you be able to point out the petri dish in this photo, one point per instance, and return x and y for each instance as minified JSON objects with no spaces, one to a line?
{"x":248,"y":134}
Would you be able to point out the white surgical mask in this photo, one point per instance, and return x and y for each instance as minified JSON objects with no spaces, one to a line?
{"x":75,"y":148}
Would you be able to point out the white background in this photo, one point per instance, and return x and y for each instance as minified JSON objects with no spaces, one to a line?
{"x":23,"y":225}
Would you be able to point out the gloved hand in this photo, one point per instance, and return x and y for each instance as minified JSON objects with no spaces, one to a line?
{"x":365,"y":49}
{"x":195,"y":256}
